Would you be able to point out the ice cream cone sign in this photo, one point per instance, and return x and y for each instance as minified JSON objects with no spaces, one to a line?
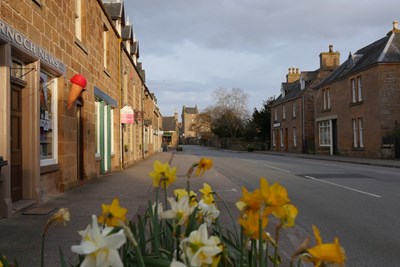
{"x":77,"y":86}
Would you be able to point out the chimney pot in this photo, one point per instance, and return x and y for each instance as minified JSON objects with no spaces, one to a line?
{"x":330,"y":48}
{"x":395,"y":25}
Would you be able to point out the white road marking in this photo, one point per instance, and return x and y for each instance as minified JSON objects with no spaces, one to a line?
{"x":342,"y":186}
{"x":226,"y":190}
{"x":272,"y":167}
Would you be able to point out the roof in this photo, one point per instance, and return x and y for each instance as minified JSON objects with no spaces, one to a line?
{"x":293,"y":90}
{"x":135,"y":48}
{"x":127,"y":33}
{"x":383,"y":51}
{"x":169,"y":123}
{"x":115,"y":10}
{"x":190,"y":110}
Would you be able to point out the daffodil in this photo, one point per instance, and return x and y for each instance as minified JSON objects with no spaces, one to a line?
{"x":180,"y":210}
{"x":62,"y":216}
{"x":100,"y":246}
{"x":209,"y":212}
{"x":200,"y":250}
{"x":179,"y":193}
{"x":274,"y":196}
{"x":112,"y":215}
{"x":175,"y":263}
{"x":286,"y":214}
{"x":162,"y":174}
{"x":203,"y":165}
{"x":207,"y":196}
{"x":249,"y":201}
{"x":322,"y":254}
{"x":250,"y":223}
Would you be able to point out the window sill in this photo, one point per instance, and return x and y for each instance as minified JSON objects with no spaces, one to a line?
{"x":326,"y":110}
{"x":49,"y":168}
{"x":356,"y":103}
{"x":81,"y":46}
{"x":358,"y":149}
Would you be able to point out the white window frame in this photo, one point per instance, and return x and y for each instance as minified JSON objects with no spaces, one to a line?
{"x":78,"y":19}
{"x":283,"y":112}
{"x":359,"y":88}
{"x":105,"y":46}
{"x":53,"y":84}
{"x":353,"y":90}
{"x":294,"y":137}
{"x":294,"y":109}
{"x":361,"y":131}
{"x":355,"y":132}
{"x":324,"y":133}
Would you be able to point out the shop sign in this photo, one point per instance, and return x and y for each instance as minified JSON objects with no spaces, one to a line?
{"x":127,"y":115}
{"x":277,"y":124}
{"x":25,"y":44}
{"x":139,"y":115}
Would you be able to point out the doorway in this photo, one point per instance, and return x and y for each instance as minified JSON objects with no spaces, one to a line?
{"x":16,"y":144}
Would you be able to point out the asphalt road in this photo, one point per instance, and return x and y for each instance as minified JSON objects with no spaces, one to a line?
{"x":359,"y":204}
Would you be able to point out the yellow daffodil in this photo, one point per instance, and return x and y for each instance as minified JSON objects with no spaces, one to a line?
{"x":322,"y":254}
{"x":112,"y":215}
{"x":201,"y":250}
{"x":274,"y":195}
{"x":249,"y":201}
{"x":207,"y":192}
{"x":100,"y":246}
{"x":180,"y":210}
{"x":203,"y":165}
{"x":286,"y":214}
{"x":250,"y":224}
{"x":162,"y":174}
{"x":179,"y":193}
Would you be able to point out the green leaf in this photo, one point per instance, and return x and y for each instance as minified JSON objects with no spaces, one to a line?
{"x":156,"y":262}
{"x":62,"y":259}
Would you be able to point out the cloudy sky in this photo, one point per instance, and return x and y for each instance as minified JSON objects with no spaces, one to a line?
{"x":189,"y":48}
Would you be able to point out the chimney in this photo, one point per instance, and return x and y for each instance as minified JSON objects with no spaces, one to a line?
{"x":293,"y":75}
{"x":329,"y":60}
{"x":395,"y":25}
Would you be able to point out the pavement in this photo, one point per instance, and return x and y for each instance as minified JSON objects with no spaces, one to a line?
{"x":20,"y":235}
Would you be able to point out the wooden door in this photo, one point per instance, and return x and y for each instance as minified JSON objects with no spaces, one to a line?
{"x":16,"y":144}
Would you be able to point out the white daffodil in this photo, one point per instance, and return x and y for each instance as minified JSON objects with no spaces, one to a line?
{"x":180,"y":211}
{"x":160,"y":209}
{"x":175,"y":263}
{"x":99,"y":246}
{"x":209,"y":212}
{"x":200,"y":250}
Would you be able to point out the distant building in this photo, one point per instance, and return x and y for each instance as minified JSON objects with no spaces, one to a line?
{"x":293,"y":111}
{"x":357,"y":107}
{"x":170,"y":126}
{"x":189,"y":115}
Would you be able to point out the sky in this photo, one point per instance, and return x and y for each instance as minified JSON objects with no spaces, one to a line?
{"x":190,"y":48}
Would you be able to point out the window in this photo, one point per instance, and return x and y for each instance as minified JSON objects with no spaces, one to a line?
{"x":281,"y":136}
{"x":327,"y":99}
{"x":112,"y":130}
{"x":106,"y":50}
{"x":358,"y":139}
{"x":273,"y":137}
{"x":283,"y":112}
{"x":294,"y":109}
{"x":356,"y":90}
{"x":48,"y":119}
{"x":294,"y":137}
{"x":325,"y":133}
{"x":359,"y":88}
{"x":80,"y":20}
{"x":17,"y":69}
{"x":276,"y":114}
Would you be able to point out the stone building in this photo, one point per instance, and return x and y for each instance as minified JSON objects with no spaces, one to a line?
{"x":170,"y":126}
{"x":292,"y":121}
{"x":357,"y":107}
{"x":48,"y":146}
{"x":189,"y":115}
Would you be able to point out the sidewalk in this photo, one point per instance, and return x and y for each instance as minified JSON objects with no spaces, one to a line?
{"x":20,"y":235}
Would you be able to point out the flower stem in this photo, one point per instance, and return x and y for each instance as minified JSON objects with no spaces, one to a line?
{"x":42,"y":251}
{"x":230,"y":215}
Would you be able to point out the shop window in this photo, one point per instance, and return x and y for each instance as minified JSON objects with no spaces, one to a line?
{"x":112,"y":130}
{"x":281,"y":136}
{"x":358,"y":138}
{"x":48,"y":119}
{"x":97,"y":131}
{"x":325,"y":133}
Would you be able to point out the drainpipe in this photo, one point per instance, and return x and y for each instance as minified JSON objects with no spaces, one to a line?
{"x":121,"y":126}
{"x":143,"y":120}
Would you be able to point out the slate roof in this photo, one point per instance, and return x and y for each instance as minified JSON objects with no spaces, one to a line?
{"x":127,"y":33}
{"x":293,"y":90}
{"x":115,"y":10}
{"x":383,"y":51}
{"x":135,"y":48}
{"x":169,"y":123}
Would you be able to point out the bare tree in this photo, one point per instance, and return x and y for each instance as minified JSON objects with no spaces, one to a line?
{"x":229,"y":113}
{"x":202,"y":125}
